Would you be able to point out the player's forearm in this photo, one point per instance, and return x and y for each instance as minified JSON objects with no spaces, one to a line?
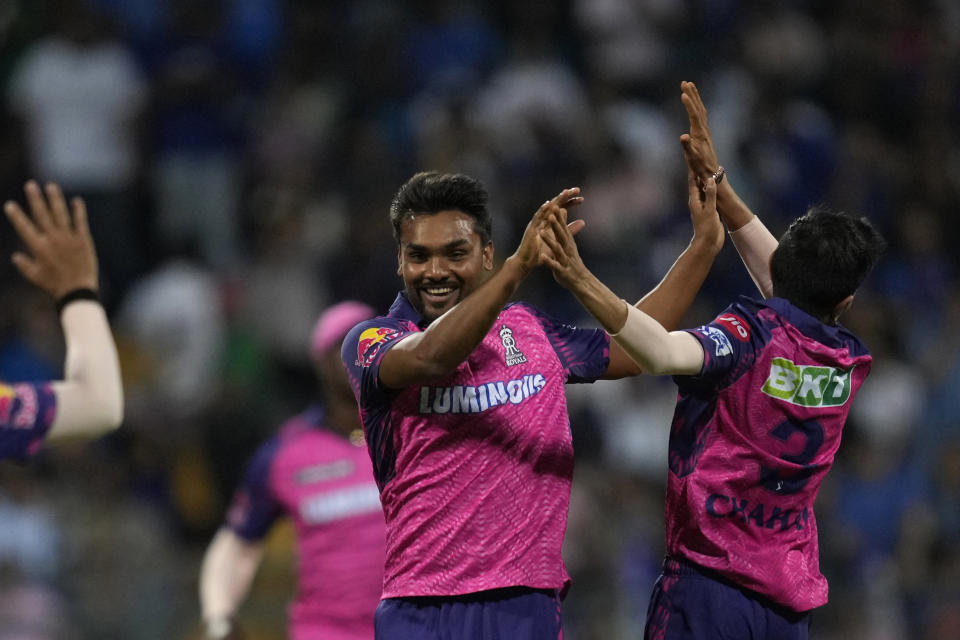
{"x":733,"y":211}
{"x":90,"y":398}
{"x":756,"y":245}
{"x":453,"y":336}
{"x":226,"y":575}
{"x":669,"y":300}
{"x":608,"y":308}
{"x":656,"y":350}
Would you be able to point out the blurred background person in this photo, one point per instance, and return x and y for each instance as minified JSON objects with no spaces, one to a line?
{"x":317,"y":471}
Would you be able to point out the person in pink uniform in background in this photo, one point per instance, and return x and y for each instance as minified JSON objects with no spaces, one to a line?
{"x":462,"y":400}
{"x":60,"y":259}
{"x":764,"y":393}
{"x":316,"y":470}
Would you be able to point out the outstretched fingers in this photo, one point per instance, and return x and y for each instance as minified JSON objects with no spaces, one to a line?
{"x":38,"y":206}
{"x":568,"y":197}
{"x":22,"y":224}
{"x":576,"y":226}
{"x":81,"y":223}
{"x":58,"y":205}
{"x":552,"y":244}
{"x":690,"y":97}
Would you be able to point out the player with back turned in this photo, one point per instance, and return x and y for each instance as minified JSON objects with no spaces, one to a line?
{"x":60,"y":259}
{"x":764,"y":392}
{"x":463,"y":405}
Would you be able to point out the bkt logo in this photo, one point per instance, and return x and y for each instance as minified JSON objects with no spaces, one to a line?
{"x":807,"y":386}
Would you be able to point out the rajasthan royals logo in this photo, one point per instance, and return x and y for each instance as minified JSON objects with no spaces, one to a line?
{"x":513,"y":355}
{"x":370,"y":343}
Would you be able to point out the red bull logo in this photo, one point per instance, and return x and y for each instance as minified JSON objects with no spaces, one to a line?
{"x":370,"y":343}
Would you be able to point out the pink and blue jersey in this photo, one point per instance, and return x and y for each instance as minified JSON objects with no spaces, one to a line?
{"x":475,"y":468}
{"x":752,"y":437}
{"x":325,"y":483}
{"x":26,"y":413}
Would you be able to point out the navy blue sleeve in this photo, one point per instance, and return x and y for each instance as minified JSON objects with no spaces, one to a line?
{"x":254,"y":508}
{"x":363,"y":350}
{"x":584,"y":353}
{"x":26,"y":413}
{"x":730,"y":344}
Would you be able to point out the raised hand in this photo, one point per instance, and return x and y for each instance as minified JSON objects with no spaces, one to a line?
{"x":560,"y":251}
{"x":698,"y":150}
{"x":531,"y":251}
{"x":703,"y":211}
{"x":60,"y":254}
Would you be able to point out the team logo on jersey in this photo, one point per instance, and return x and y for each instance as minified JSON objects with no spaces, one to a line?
{"x":720,"y":339}
{"x":370,"y":343}
{"x":808,"y":386}
{"x":513,"y":355}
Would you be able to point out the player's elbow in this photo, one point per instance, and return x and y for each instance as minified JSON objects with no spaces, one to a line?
{"x":113,"y":417}
{"x":107,"y":414}
{"x":656,"y":368}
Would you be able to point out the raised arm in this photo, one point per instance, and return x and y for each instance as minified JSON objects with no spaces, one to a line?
{"x":753,"y":241}
{"x":226,"y":575}
{"x":669,"y":300}
{"x":453,"y":336}
{"x":61,"y":260}
{"x":636,"y":335}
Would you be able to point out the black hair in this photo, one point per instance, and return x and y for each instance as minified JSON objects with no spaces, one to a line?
{"x":822,"y":258}
{"x":430,"y":192}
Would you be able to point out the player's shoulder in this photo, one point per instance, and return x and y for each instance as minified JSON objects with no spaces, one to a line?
{"x":742,"y":318}
{"x":527,"y":312}
{"x":521,"y":308}
{"x":386,"y":322}
{"x":747,"y":308}
{"x":367,"y":338}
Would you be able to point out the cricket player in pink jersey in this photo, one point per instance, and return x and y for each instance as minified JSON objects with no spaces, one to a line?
{"x":317,"y":471}
{"x":60,"y":259}
{"x":764,"y":393}
{"x":463,"y":405}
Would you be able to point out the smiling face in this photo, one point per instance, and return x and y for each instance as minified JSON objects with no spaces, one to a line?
{"x":442,"y":260}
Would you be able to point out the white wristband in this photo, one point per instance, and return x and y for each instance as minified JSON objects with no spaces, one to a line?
{"x":756,"y":244}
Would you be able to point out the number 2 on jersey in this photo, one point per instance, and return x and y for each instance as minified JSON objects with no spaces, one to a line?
{"x":812,"y":431}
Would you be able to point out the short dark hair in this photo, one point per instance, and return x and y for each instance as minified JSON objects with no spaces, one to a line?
{"x":822,"y":258}
{"x":430,"y":192}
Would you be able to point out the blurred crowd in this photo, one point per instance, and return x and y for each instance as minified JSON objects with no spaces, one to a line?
{"x":238,"y":158}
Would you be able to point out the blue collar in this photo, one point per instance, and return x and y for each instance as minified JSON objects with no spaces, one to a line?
{"x":402,"y":309}
{"x":834,"y":336}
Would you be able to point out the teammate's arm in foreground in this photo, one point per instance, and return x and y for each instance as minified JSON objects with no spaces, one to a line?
{"x":644,"y":340}
{"x":450,"y":338}
{"x":226,"y":575}
{"x":667,"y":303}
{"x":60,"y":259}
{"x":753,"y":241}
